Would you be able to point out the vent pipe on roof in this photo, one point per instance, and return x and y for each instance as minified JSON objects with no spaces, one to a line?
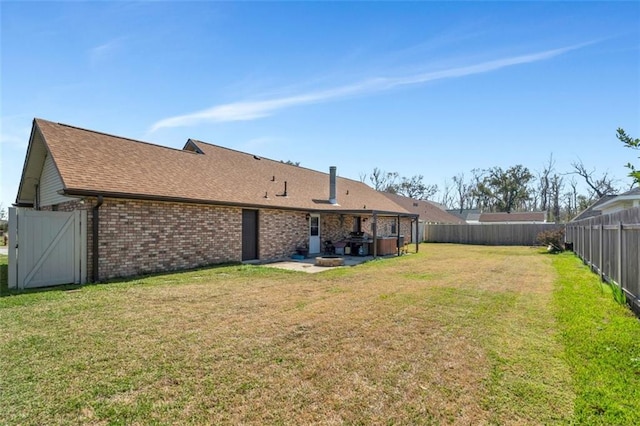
{"x":332,"y":185}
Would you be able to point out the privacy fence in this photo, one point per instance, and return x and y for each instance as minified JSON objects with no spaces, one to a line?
{"x":511,"y":234}
{"x":610,"y":245}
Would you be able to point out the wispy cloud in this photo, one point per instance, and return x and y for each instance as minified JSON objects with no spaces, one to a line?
{"x":251,"y":110}
{"x":105,"y":50}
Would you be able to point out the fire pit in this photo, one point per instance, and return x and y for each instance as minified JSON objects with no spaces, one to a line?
{"x":329,"y":261}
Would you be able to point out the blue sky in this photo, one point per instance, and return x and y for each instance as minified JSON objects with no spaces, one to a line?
{"x":430,"y":88}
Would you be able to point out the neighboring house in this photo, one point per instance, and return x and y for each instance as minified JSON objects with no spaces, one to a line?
{"x":158,"y":209}
{"x":438,"y":205}
{"x":513,"y":217}
{"x":475,"y":217}
{"x":471,"y":216}
{"x":627,"y":200}
{"x":611,"y":204}
{"x":593,"y":209}
{"x":429,"y":213}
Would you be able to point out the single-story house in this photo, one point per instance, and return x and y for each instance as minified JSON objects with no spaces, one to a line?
{"x":477,"y":217}
{"x":594,"y":209}
{"x":626,"y":200}
{"x":611,"y":204}
{"x":513,"y":217}
{"x":428,"y":212}
{"x":470,"y":216}
{"x":152,"y":208}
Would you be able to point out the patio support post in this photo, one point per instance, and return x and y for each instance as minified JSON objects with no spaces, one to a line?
{"x":417,"y":219}
{"x":374,"y":228}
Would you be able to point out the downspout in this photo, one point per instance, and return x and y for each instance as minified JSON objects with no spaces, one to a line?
{"x":398,"y":232}
{"x":96,"y":219}
{"x":374,"y":227}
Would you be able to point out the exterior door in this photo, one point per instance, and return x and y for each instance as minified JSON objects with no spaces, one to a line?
{"x":249,"y":234}
{"x":314,"y":233}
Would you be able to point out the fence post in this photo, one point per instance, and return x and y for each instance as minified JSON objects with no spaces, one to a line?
{"x":591,"y":247}
{"x":600,"y":249}
{"x":620,"y":254}
{"x":582,"y":244}
{"x":12,"y":272}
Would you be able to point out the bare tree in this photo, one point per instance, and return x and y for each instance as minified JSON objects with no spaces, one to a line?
{"x":571,"y":199}
{"x":383,"y":181}
{"x":462,"y":192}
{"x":413,"y":187}
{"x":599,"y":185}
{"x":556,"y":186}
{"x":363,"y":177}
{"x":479,"y":195}
{"x":544,"y":184}
{"x":446,"y":199}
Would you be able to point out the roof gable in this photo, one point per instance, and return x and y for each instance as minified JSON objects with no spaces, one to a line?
{"x":34,"y":161}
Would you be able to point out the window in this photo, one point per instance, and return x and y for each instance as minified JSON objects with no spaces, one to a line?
{"x":314,"y":226}
{"x":394,"y":228}
{"x":357,"y":224}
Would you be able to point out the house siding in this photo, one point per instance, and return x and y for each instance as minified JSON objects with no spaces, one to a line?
{"x":50,"y":184}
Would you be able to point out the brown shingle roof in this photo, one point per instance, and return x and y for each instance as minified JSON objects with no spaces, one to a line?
{"x":513,"y":217}
{"x":427,"y":211}
{"x":93,"y":162}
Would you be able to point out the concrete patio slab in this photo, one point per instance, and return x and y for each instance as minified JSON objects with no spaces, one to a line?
{"x":308,"y":265}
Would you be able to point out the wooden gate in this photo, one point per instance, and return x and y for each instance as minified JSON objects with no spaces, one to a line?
{"x":47,"y":248}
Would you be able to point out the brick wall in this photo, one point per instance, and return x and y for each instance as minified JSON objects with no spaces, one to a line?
{"x":138,"y":237}
{"x":335,"y":227}
{"x":281,"y":232}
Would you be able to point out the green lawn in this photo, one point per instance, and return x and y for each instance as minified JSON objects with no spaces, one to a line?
{"x":451,"y":335}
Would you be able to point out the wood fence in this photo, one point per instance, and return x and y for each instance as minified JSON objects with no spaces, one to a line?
{"x":511,"y":234}
{"x":610,"y":245}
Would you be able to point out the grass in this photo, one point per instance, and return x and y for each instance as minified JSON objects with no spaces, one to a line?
{"x":451,"y":335}
{"x":602,"y":341}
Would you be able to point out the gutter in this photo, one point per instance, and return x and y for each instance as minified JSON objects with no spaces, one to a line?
{"x":96,"y":254}
{"x":71,"y":192}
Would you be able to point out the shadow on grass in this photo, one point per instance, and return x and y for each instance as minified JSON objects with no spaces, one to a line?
{"x":4,"y":279}
{"x":5,"y":291}
{"x":551,"y":252}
